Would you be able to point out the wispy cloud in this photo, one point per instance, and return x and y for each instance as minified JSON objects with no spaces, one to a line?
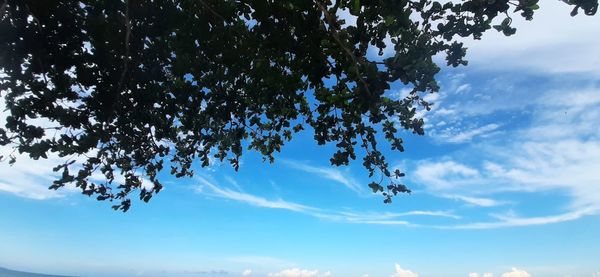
{"x":387,"y":216}
{"x":506,"y":221}
{"x":446,"y":121}
{"x":559,"y":150}
{"x":380,"y":218}
{"x":476,"y":201}
{"x":532,"y":167}
{"x":251,"y":199}
{"x":468,"y":135}
{"x":327,"y":173}
{"x":444,"y":175}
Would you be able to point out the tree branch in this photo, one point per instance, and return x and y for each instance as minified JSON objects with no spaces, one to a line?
{"x":334,"y":33}
{"x":3,"y":8}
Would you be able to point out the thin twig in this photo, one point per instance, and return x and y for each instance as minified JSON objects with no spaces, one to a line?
{"x":211,"y":10}
{"x":126,"y":58}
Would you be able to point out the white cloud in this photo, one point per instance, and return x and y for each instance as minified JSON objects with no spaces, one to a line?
{"x":297,"y":272}
{"x":552,"y":42}
{"x":444,"y":175}
{"x":452,"y":117}
{"x":400,"y":272}
{"x":29,"y":190}
{"x":328,"y":173}
{"x":246,"y":272}
{"x":558,"y":150}
{"x":473,"y":274}
{"x":29,"y":178}
{"x":569,"y":165}
{"x":463,"y":88}
{"x":467,"y":135}
{"x":566,"y":115}
{"x":516,"y":273}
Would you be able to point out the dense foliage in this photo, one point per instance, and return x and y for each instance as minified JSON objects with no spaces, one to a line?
{"x":127,"y":88}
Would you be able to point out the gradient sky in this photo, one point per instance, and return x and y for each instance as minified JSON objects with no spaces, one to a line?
{"x":506,"y":183}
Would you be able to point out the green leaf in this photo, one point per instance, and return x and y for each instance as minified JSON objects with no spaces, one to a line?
{"x":375,"y":187}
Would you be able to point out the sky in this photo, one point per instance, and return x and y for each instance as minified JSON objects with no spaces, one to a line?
{"x":506,"y":183}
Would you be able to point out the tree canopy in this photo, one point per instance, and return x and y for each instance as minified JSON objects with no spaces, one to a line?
{"x":133,"y":88}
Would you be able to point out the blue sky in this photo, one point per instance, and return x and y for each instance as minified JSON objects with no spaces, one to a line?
{"x":506,"y":183}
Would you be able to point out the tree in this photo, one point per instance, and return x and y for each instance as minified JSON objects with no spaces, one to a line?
{"x":134,"y":88}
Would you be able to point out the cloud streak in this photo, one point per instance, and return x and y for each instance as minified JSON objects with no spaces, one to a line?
{"x":468,"y":135}
{"x":505,"y":221}
{"x":207,"y":187}
{"x":475,"y":201}
{"x":327,"y":173}
{"x":251,"y":199}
